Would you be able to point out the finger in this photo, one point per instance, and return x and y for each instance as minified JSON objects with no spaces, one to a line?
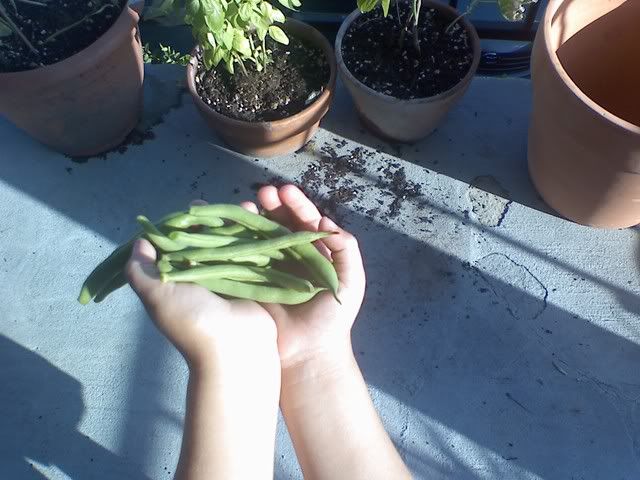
{"x":249,"y":206}
{"x":275,"y":210}
{"x":198,"y":202}
{"x":345,"y":253}
{"x":305,"y":214}
{"x":142,"y":271}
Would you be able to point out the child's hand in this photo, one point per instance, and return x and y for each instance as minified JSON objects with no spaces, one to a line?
{"x":218,"y":335}
{"x":319,"y":329}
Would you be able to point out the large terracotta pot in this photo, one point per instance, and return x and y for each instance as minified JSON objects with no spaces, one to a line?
{"x":86,"y":104}
{"x":584,"y":140}
{"x":268,"y":139}
{"x":405,"y":120}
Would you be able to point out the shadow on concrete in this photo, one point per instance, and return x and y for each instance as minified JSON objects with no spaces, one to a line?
{"x":498,"y":150}
{"x":41,"y":409}
{"x":474,"y":345}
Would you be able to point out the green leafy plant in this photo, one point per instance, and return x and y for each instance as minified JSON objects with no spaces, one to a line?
{"x":165,"y":55}
{"x":510,"y":9}
{"x":231,"y":32}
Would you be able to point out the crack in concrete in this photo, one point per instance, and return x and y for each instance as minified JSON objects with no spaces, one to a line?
{"x":489,"y":201}
{"x":545,"y":292}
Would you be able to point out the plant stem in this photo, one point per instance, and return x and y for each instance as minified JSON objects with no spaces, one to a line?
{"x":405,"y":30}
{"x":75,"y":24}
{"x":470,"y":8}
{"x":416,"y":39}
{"x":264,"y":52}
{"x":239,"y":60}
{"x":18,"y":32}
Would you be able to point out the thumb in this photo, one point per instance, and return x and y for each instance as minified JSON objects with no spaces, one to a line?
{"x":142,"y":272}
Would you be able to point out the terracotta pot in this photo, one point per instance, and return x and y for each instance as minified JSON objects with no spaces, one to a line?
{"x":268,"y":139}
{"x":86,"y":104}
{"x":584,"y":140}
{"x":405,"y":120}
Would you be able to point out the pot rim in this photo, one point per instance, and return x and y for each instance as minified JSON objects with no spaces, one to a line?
{"x":284,"y":122}
{"x":96,"y":51}
{"x":415,"y":101}
{"x":552,"y":8}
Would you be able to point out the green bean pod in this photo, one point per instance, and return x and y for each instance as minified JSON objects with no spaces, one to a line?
{"x":248,"y":248}
{"x":164,"y":266}
{"x":105,"y":271}
{"x":235,"y":230}
{"x":318,"y":264}
{"x":257,"y":260}
{"x":257,"y":292}
{"x":204,"y":240}
{"x":110,"y":266}
{"x":186,"y":220}
{"x":119,"y":281}
{"x":242,"y":274}
{"x":156,"y":237}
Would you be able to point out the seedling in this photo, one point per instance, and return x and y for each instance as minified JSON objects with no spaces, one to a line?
{"x":233,"y":32}
{"x":511,"y":10}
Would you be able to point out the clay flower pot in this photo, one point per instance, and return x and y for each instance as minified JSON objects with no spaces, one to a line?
{"x":86,"y":104}
{"x":584,"y":139}
{"x":405,"y":120}
{"x":268,"y":139}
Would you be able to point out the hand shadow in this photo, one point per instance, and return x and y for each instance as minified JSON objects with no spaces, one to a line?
{"x":41,"y":407}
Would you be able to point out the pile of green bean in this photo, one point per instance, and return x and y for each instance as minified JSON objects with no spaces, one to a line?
{"x":229,"y":251}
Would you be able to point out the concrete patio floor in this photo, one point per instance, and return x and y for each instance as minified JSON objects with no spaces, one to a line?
{"x":498,"y":340}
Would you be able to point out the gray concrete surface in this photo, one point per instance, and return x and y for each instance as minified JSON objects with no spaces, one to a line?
{"x":498,"y":340}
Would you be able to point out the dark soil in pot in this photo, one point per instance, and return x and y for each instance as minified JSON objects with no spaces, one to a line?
{"x":57,"y":29}
{"x":298,"y":75}
{"x":374,"y":53}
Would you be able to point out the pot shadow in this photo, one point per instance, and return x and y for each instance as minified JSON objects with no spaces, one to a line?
{"x":481,"y":139}
{"x":41,"y":409}
{"x":474,"y":362}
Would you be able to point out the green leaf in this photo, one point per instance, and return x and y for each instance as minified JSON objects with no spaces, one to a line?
{"x":193,"y":7}
{"x":366,"y":6}
{"x":229,"y":64}
{"x":278,"y":35}
{"x":241,"y":44}
{"x":245,"y":11}
{"x":290,"y":4}
{"x":211,"y":39}
{"x":208,"y":59}
{"x":228,"y":36}
{"x":261,"y":31}
{"x":218,"y":56}
{"x":514,"y":9}
{"x":385,"y":6}
{"x":213,"y":14}
{"x":277,"y":16}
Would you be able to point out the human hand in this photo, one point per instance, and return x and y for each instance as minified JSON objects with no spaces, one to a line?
{"x":231,"y":338}
{"x":319,"y":329}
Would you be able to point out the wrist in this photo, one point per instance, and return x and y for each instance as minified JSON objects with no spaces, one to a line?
{"x":321,"y":370}
{"x":240,"y":377}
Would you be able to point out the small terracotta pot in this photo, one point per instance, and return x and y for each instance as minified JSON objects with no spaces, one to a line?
{"x":87,"y":103}
{"x":405,"y":120}
{"x":584,"y":139}
{"x":268,"y":139}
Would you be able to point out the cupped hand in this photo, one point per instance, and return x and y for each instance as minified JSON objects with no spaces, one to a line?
{"x":229,"y":337}
{"x":321,"y":327}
